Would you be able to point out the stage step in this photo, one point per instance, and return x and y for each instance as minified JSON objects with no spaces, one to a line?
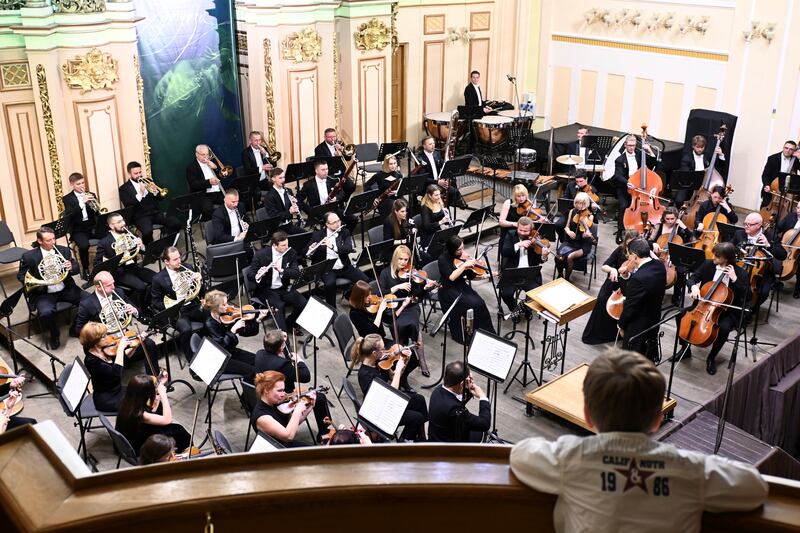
{"x":699,"y":434}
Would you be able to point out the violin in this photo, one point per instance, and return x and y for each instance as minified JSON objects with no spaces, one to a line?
{"x":188,"y":453}
{"x":12,"y":402}
{"x":233,"y":313}
{"x":134,"y":339}
{"x":387,"y":357}
{"x":374,"y":302}
{"x":710,"y":235}
{"x":538,"y":243}
{"x":588,"y":190}
{"x":417,"y":276}
{"x":645,"y":187}
{"x":480,"y":268}
{"x":290,"y":402}
{"x":700,"y":326}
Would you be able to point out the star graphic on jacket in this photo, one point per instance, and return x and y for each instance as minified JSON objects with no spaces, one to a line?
{"x":635,"y":477}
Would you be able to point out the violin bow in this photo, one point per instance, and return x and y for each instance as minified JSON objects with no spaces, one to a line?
{"x":341,"y":404}
{"x":295,"y":363}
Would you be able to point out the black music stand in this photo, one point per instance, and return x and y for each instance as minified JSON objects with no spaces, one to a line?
{"x":208,"y":364}
{"x":360,"y":204}
{"x":439,"y":239}
{"x":477,"y":217}
{"x":160,"y":323}
{"x":491,"y":356}
{"x":564,"y":205}
{"x":312,"y":273}
{"x":189,"y":208}
{"x":316,"y":317}
{"x":300,"y":241}
{"x":248,"y":188}
{"x":443,"y":323}
{"x":298,"y":171}
{"x":686,"y":180}
{"x":380,"y":252}
{"x":109,"y":265}
{"x":521,"y":277}
{"x":335,"y":166}
{"x":390,"y":149}
{"x":261,"y":230}
{"x":727,"y":232}
{"x":413,"y":185}
{"x":599,"y":146}
{"x":316,"y":212}
{"x":153,"y":250}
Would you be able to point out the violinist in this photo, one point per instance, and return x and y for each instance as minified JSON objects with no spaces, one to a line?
{"x":784,"y":161}
{"x":92,"y":307}
{"x":266,"y":417}
{"x":145,"y":410}
{"x":578,"y":238}
{"x":450,"y":420}
{"x":695,"y":160}
{"x":663,"y":232}
{"x":601,"y":327}
{"x":271,"y":272}
{"x":104,"y":360}
{"x":397,"y":279}
{"x":520,"y":251}
{"x":723,"y":262}
{"x":276,"y":356}
{"x":366,"y":310}
{"x":624,"y":165}
{"x":433,"y":214}
{"x":226,"y":333}
{"x":717,"y":198}
{"x":368,"y":351}
{"x":513,"y":210}
{"x":387,"y":177}
{"x":458,"y":269}
{"x":791,"y":224}
{"x":753,"y":237}
{"x":581,"y":184}
{"x":13,"y":389}
{"x":157,"y":449}
{"x":280,"y":202}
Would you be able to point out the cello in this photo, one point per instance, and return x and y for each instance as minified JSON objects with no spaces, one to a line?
{"x":710,"y":235}
{"x":700,"y":326}
{"x":790,"y":241}
{"x":663,"y":242}
{"x":712,"y":179}
{"x":644,"y":186}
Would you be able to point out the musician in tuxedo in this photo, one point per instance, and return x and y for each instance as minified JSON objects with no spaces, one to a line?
{"x":576,"y":148}
{"x":625,"y":164}
{"x":271,"y":273}
{"x":473,"y":95}
{"x":643,"y":296}
{"x":752,"y":238}
{"x":699,"y":158}
{"x":81,"y":218}
{"x":449,"y":419}
{"x":129,"y":273}
{"x":783,"y":161}
{"x":254,"y":160}
{"x":278,"y":202}
{"x":433,"y":163}
{"x":791,"y":224}
{"x":716,"y":199}
{"x":317,"y":190}
{"x":163,"y":285}
{"x":334,"y":242}
{"x":331,"y":146}
{"x":202,"y":176}
{"x":91,"y":307}
{"x":144,"y":198}
{"x":45,"y":298}
{"x":229,"y":220}
{"x":518,"y":252}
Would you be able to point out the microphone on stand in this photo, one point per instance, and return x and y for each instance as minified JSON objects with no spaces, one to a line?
{"x":469,"y":326}
{"x":511,"y":78}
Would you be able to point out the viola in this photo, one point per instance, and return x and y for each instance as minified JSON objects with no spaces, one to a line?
{"x":480,"y":268}
{"x":616,"y":302}
{"x":710,"y":235}
{"x":233,"y":313}
{"x":290,"y":402}
{"x":700,"y":326}
{"x":387,"y":357}
{"x":417,"y":276}
{"x":790,"y":241}
{"x":663,"y":242}
{"x":711,"y":180}
{"x":374,"y":302}
{"x":134,"y":339}
{"x":645,"y":187}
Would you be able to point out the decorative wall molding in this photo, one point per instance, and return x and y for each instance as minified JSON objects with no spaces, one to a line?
{"x":337,"y":83}
{"x":241,"y":42}
{"x":95,"y":70}
{"x":455,"y":35}
{"x":50,"y":134}
{"x":433,"y":24}
{"x":79,"y":6}
{"x":142,"y":121}
{"x":699,"y":54}
{"x":372,"y":35}
{"x":269,"y":94}
{"x":647,"y":23}
{"x":479,"y":20}
{"x":14,"y":76}
{"x":302,"y":46}
{"x":395,"y":40}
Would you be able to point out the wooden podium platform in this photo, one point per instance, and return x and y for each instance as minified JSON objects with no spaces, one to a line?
{"x":564,"y":397}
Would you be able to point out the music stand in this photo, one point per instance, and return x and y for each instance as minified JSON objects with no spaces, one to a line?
{"x":316,"y":317}
{"x":413,"y":185}
{"x":455,"y":167}
{"x":601,"y":145}
{"x":359,"y":204}
{"x":261,"y":230}
{"x":153,"y":250}
{"x":101,"y":225}
{"x":109,"y":265}
{"x":686,"y":180}
{"x":491,"y":356}
{"x":521,"y":277}
{"x":298,"y":171}
{"x":159,"y":323}
{"x":71,"y":397}
{"x":380,"y":252}
{"x":477,"y":217}
{"x":335,"y":166}
{"x":208,"y":364}
{"x":443,"y":323}
{"x":300,"y":241}
{"x":382,"y":409}
{"x":440,"y":238}
{"x":315,"y":213}
{"x":190,"y":208}
{"x":248,"y":187}
{"x":390,"y":149}
{"x":265,"y":443}
{"x":727,"y":232}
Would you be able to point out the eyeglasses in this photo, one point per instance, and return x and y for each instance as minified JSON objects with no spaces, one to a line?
{"x":752,"y":223}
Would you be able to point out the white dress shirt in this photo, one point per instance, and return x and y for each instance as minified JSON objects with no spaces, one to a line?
{"x":208,"y":174}
{"x":141,"y":190}
{"x":332,"y":148}
{"x":478,"y":92}
{"x":699,"y":164}
{"x":432,"y":163}
{"x":58,"y":286}
{"x":236,"y":229}
{"x":81,"y":196}
{"x":260,"y":163}
{"x":718,"y":272}
{"x":277,"y":258}
{"x":633,"y":163}
{"x":786,"y":163}
{"x":332,"y":251}
{"x":322,"y":189}
{"x":523,"y":255}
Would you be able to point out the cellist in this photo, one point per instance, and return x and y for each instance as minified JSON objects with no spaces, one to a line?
{"x":626,"y":164}
{"x":754,"y":234}
{"x":709,"y":206}
{"x":791,"y":223}
{"x":783,"y":161}
{"x":723,"y":262}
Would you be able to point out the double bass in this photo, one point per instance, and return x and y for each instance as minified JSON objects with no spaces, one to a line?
{"x":644,"y":187}
{"x":710,"y":235}
{"x":712,"y":179}
{"x":700,"y":326}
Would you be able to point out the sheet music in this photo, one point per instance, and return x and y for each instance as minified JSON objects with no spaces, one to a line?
{"x":561,"y":296}
{"x":77,"y":382}
{"x":315,"y":317}
{"x":491,"y":356}
{"x":382,"y":407}
{"x":207,"y":362}
{"x":262,"y":445}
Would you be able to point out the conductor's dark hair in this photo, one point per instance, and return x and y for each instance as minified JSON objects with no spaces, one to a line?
{"x":455,"y":373}
{"x":639,"y":247}
{"x":133,"y":164}
{"x":453,"y":244}
{"x":726,"y":251}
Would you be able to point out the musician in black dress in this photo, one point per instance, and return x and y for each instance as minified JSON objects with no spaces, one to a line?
{"x":367,"y":351}
{"x":601,"y":328}
{"x":519,"y":252}
{"x":364,"y":320}
{"x":80,"y":214}
{"x":271,"y":392}
{"x":455,"y":282}
{"x":145,"y":411}
{"x":144,"y":198}
{"x":397,"y":226}
{"x":334,"y":242}
{"x":790,"y":224}
{"x":753,"y":238}
{"x":227,"y":336}
{"x":105,"y":364}
{"x":578,"y":238}
{"x":670,"y":221}
{"x":624,"y":166}
{"x":717,"y":198}
{"x":388,"y":176}
{"x":280,"y":202}
{"x":396,"y":279}
{"x":433,"y":215}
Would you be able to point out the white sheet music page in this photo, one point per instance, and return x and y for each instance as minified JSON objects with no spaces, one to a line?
{"x":491,"y":356}
{"x":314,"y":318}
{"x":262,"y":445}
{"x":383,"y":408}
{"x":561,"y":296}
{"x":75,"y":386}
{"x":207,"y":362}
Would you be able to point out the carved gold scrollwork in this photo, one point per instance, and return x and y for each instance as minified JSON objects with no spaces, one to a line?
{"x":269,"y":95}
{"x":337,"y":88}
{"x":95,"y":70}
{"x":395,"y":40}
{"x":302,"y":46}
{"x":142,"y":121}
{"x":373,"y":35}
{"x":50,"y":133}
{"x":79,"y":6}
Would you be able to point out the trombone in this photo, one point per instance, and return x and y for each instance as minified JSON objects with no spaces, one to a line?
{"x":272,"y":156}
{"x":224,"y":170}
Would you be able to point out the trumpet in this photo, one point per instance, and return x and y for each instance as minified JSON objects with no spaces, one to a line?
{"x":93,"y":204}
{"x":224,"y":170}
{"x":272,"y":156}
{"x":151,"y":186}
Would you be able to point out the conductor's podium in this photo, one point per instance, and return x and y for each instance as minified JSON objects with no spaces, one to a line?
{"x":44,"y":487}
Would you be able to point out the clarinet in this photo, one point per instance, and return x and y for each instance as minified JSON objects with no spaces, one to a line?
{"x":204,"y":278}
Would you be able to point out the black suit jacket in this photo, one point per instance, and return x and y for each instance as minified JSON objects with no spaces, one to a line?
{"x":221,"y":223}
{"x":30,"y":263}
{"x":195,"y":177}
{"x":621,"y":171}
{"x":471,"y":98}
{"x":263,"y":258}
{"x":448,"y":422}
{"x":511,"y":256}
{"x":707,"y":207}
{"x":162,"y":286}
{"x":89,"y":308}
{"x":572,"y":190}
{"x":344,"y":245}
{"x":308,"y":196}
{"x":270,"y":361}
{"x":643,"y":296}
{"x":771,"y":170}
{"x":425,"y":162}
{"x":73,"y":215}
{"x":147,"y":207}
{"x":249,"y":161}
{"x":777,"y":250}
{"x":275,"y":206}
{"x":322,"y":150}
{"x":787,"y":222}
{"x":741,"y":288}
{"x":105,"y":250}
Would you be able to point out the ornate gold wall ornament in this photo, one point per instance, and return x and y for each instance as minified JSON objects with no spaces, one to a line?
{"x":269,"y":95}
{"x":14,"y":76}
{"x":95,"y":70}
{"x":395,"y":40}
{"x":79,"y":6}
{"x":142,"y":121}
{"x":11,"y":4}
{"x":337,"y":102}
{"x":373,"y":35}
{"x":50,"y":133}
{"x":302,"y":46}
